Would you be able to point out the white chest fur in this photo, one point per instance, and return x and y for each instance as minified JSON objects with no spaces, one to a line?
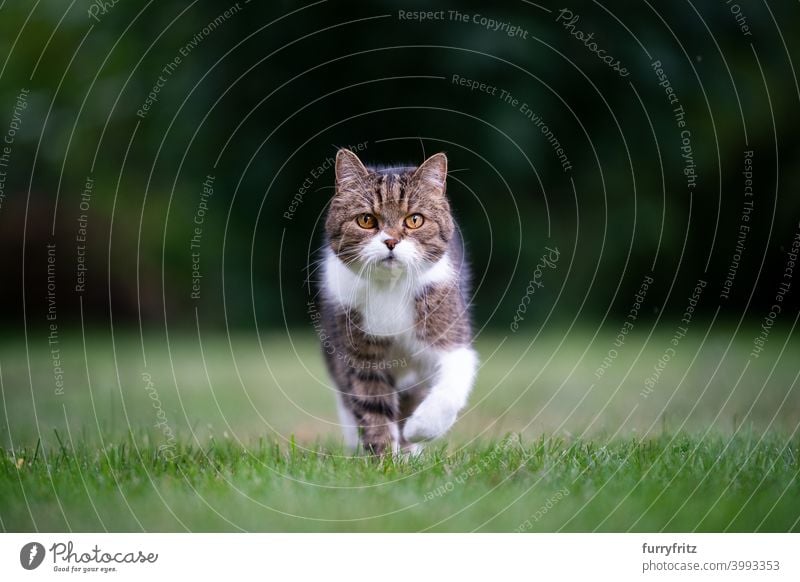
{"x":386,"y":305}
{"x":387,"y":302}
{"x":388,"y":309}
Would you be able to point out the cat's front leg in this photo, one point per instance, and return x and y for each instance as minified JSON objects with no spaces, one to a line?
{"x":374,"y":403}
{"x":452,"y":383}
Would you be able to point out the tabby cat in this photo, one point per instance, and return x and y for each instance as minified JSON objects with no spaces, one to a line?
{"x":394,"y":305}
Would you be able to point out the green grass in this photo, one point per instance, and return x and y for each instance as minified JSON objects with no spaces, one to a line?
{"x":671,"y":484}
{"x":544,"y":446}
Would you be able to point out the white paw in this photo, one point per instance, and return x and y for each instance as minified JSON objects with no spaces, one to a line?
{"x":431,"y":420}
{"x":410,"y":450}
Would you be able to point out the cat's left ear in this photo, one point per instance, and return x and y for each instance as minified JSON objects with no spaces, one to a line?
{"x":350,"y":172}
{"x":433,"y":172}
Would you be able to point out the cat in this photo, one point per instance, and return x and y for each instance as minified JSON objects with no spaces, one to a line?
{"x":395,"y":305}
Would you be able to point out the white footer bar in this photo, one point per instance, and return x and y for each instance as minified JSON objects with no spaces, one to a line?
{"x":401,"y":557}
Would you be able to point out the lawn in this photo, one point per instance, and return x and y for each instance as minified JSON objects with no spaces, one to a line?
{"x":240,"y":434}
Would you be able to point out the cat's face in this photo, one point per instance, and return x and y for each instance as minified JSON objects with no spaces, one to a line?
{"x":389,"y":220}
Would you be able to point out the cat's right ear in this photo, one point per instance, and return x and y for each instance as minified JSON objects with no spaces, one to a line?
{"x":349,"y":170}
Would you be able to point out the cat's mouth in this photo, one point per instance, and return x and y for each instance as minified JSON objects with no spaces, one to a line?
{"x":391,"y":261}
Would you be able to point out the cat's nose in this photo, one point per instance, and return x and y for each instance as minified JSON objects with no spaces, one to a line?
{"x":391,"y":243}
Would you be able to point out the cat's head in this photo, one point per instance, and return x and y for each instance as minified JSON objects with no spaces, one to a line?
{"x":389,"y":219}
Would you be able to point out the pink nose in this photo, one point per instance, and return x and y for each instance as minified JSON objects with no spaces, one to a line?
{"x":391,"y":243}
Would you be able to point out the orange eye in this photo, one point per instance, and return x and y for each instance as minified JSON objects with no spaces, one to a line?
{"x":366,"y":221}
{"x":414,"y":220}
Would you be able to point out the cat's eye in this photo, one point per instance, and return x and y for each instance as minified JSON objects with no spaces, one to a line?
{"x":366,"y":221}
{"x":414,"y":220}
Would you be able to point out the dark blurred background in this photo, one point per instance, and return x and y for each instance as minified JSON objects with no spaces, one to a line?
{"x":264,"y":93}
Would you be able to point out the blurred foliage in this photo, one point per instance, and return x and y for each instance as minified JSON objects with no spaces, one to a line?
{"x":268,"y":94}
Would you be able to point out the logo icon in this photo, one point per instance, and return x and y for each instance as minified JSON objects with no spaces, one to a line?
{"x":31,"y":555}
